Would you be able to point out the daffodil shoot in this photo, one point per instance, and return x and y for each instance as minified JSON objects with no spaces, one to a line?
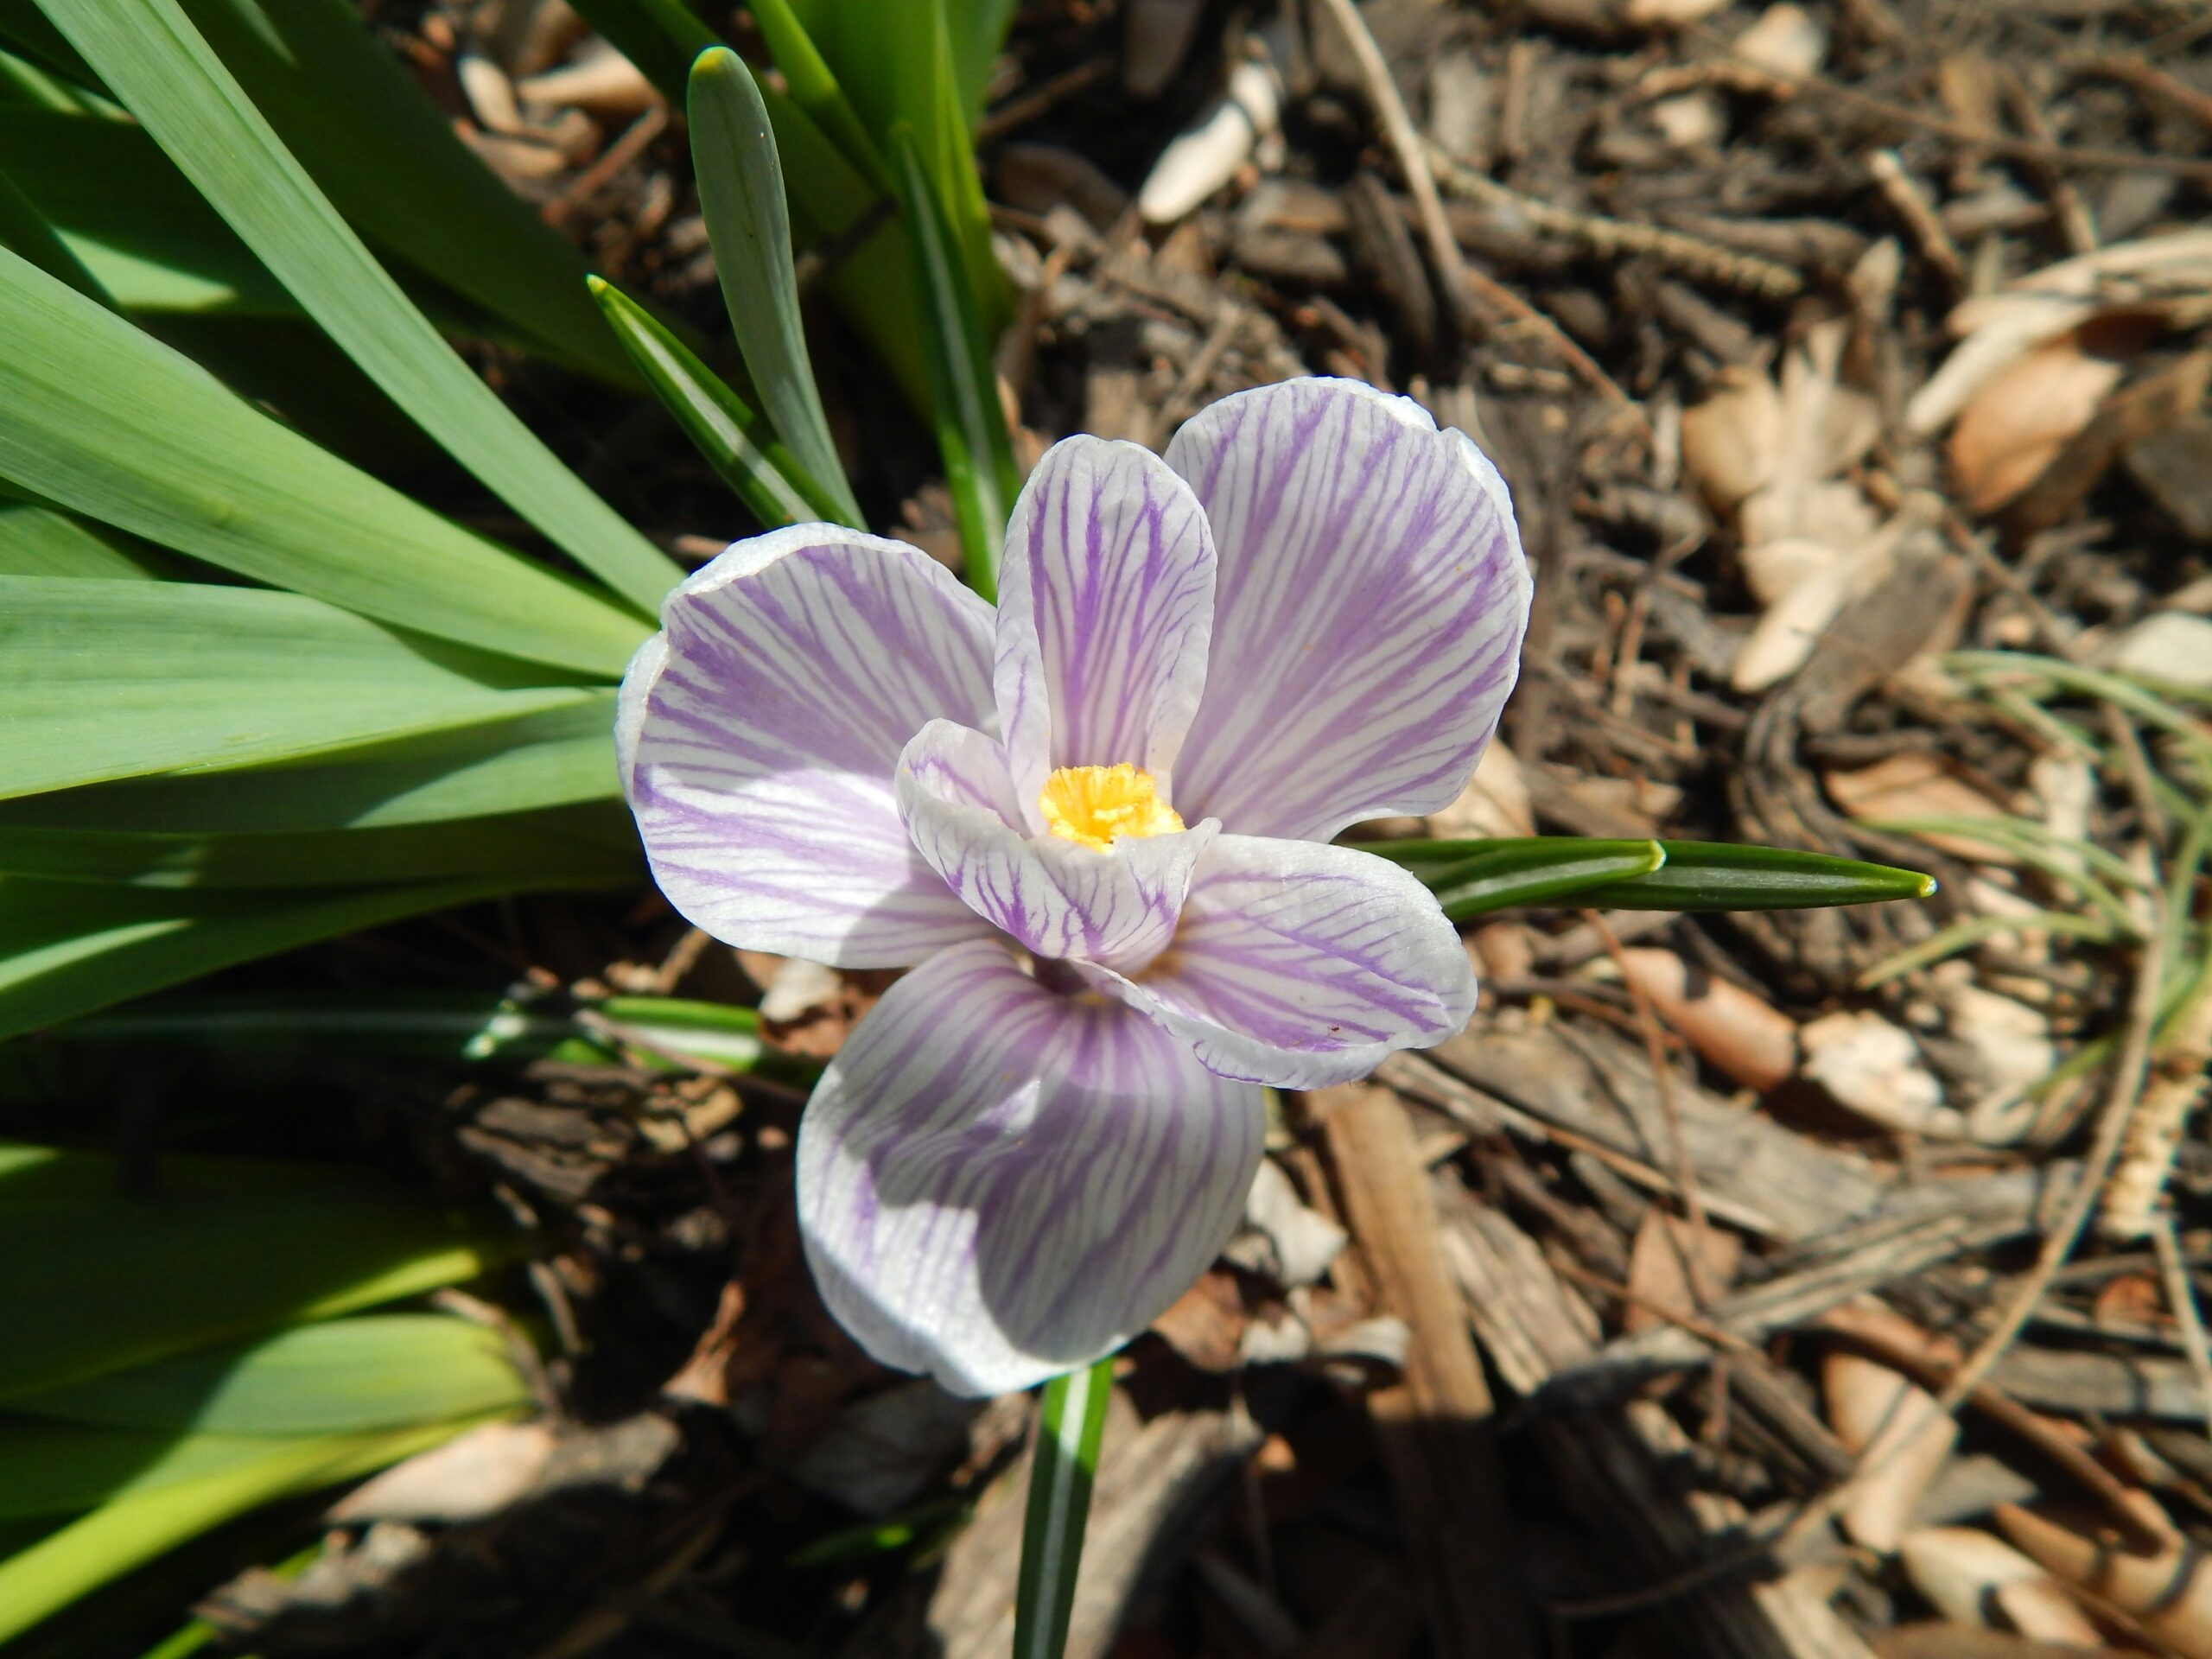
{"x":1095,"y":824}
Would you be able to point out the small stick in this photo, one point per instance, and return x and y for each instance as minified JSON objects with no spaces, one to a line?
{"x":1413,"y":161}
{"x":1612,"y":238}
{"x":2181,"y":1297}
{"x":2065,"y":200}
{"x":617,"y":155}
{"x":1906,"y":201}
{"x":2152,"y":83}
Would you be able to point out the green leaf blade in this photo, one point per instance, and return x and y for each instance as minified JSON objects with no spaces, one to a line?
{"x":164,"y":70}
{"x":748,"y":224}
{"x":1719,"y":876}
{"x":737,"y":443}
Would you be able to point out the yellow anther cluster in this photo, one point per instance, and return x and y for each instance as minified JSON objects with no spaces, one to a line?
{"x":1096,"y":806}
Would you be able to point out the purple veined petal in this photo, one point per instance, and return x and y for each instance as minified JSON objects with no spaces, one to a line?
{"x":757,"y":733}
{"x":1105,"y":602}
{"x":1056,"y":898}
{"x":997,"y":1183}
{"x":1369,"y":605}
{"x":1300,"y":964}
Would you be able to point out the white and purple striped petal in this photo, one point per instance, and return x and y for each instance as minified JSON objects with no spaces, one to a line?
{"x":1105,"y":600}
{"x":997,"y":1183}
{"x":1058,"y":898}
{"x":1300,"y":964}
{"x":757,"y":736}
{"x":1370,"y":599}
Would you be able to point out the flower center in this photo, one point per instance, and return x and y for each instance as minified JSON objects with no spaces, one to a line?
{"x":1096,"y":806}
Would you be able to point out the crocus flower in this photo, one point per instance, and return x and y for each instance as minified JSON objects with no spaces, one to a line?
{"x":1096,"y":825}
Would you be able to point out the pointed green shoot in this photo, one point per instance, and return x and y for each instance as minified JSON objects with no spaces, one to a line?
{"x":814,"y":88}
{"x":1071,"y":1423}
{"x":737,"y":443}
{"x":163,"y":69}
{"x":971,"y":430}
{"x":1720,"y":875}
{"x":748,"y":223}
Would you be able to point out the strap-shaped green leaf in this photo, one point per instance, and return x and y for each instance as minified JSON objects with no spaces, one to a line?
{"x":373,"y":1370}
{"x":37,"y":1582}
{"x":37,"y":541}
{"x":104,"y":420}
{"x":971,"y":433}
{"x":741,"y":197}
{"x":574,"y":847}
{"x":1684,"y":875}
{"x":24,"y":230}
{"x":736,"y":443}
{"x":1525,"y":874}
{"x":516,"y":764}
{"x":1721,"y":875}
{"x":157,"y":62}
{"x":67,"y":948}
{"x":113,"y":680}
{"x":814,"y":88}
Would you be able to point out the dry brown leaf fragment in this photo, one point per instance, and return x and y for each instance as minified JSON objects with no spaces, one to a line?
{"x":1205,"y":1325}
{"x":1494,"y":802}
{"x":1739,"y":1032}
{"x":2168,"y":1591}
{"x":1875,"y":1069}
{"x":1967,"y":1575}
{"x":1901,"y":1435}
{"x":2014,"y":426}
{"x":1915,"y":783}
{"x":1667,"y":1249}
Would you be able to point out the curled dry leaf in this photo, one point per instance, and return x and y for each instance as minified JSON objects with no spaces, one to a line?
{"x":2169,"y":1591}
{"x":1967,"y":1575}
{"x":1739,"y":1033}
{"x":1915,"y":783}
{"x":1874,"y":1069}
{"x":2014,"y":426}
{"x":1903,"y":1437}
{"x":2171,"y":273}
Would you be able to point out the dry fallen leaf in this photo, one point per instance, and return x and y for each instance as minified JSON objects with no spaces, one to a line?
{"x":1785,"y":40}
{"x":1748,"y":1038}
{"x":1915,"y":783}
{"x":1494,"y":804}
{"x":2022,"y":416}
{"x":1874,"y":1069}
{"x":2169,"y":1591}
{"x":1967,"y":1574}
{"x":1903,"y":1437}
{"x":1205,"y":1324}
{"x":469,"y":1477}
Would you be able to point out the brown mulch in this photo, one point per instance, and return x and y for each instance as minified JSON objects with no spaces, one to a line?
{"x":1626,"y":1323}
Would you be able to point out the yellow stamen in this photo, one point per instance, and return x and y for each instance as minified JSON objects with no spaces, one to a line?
{"x":1096,"y":806}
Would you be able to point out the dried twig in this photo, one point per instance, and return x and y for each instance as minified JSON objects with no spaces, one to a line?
{"x":1405,"y":142}
{"x":1692,"y":255}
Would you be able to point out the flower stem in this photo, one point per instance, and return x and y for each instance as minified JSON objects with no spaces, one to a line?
{"x":1069,"y":1427}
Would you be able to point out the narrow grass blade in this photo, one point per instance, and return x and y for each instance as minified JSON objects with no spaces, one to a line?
{"x":109,"y":679}
{"x":971,"y":432}
{"x":1518,"y":873}
{"x":978,"y":29}
{"x":68,"y":948}
{"x":1070,"y":1422}
{"x":113,"y":1539}
{"x":158,"y":64}
{"x":741,"y":196}
{"x":814,"y":88}
{"x":334,"y":1376}
{"x":518,"y":764}
{"x":578,"y":848}
{"x":37,"y":541}
{"x":103,"y":419}
{"x":1718,"y":875}
{"x":24,"y":229}
{"x":388,"y":158}
{"x":101,"y":1279}
{"x":736,"y":443}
